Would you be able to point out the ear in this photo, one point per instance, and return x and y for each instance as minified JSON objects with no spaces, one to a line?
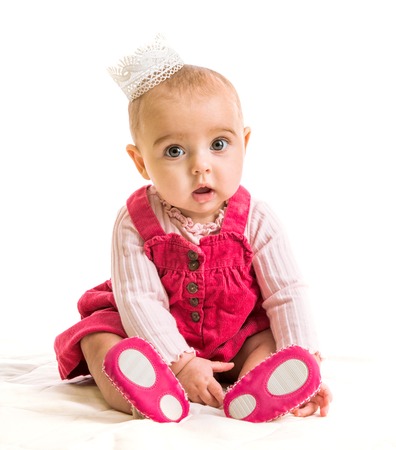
{"x":137,"y":158}
{"x":247,"y":131}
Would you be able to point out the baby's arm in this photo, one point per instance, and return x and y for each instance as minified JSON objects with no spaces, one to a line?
{"x":141,"y":299}
{"x":286,"y":295}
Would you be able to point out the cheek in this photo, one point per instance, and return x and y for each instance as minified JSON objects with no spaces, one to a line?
{"x":236,"y":173}
{"x":153,"y":170}
{"x":165,"y":178}
{"x":234,"y":167}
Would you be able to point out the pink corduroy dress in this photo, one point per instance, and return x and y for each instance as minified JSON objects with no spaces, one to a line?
{"x":212,"y":289}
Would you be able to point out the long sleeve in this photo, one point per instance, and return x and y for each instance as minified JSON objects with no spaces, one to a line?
{"x":286,"y":297}
{"x":141,"y":299}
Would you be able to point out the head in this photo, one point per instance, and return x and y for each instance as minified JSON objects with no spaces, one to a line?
{"x":190,"y":140}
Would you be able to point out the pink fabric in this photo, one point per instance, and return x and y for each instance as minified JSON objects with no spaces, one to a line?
{"x":147,"y":390}
{"x":98,"y":313}
{"x":227,"y":305}
{"x":268,"y":406}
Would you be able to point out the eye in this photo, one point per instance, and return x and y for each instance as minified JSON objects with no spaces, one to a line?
{"x":219,"y":144}
{"x":174,"y":152}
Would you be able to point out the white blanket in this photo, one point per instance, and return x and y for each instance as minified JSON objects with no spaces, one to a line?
{"x":38,"y":411}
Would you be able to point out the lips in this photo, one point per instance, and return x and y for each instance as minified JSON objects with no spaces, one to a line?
{"x":202,"y":190}
{"x":203,"y":194}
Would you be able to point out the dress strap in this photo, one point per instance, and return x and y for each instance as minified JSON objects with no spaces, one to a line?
{"x":237,"y":212}
{"x":143,"y":216}
{"x":148,"y":225}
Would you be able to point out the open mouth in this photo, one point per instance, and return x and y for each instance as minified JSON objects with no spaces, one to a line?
{"x":203,"y":194}
{"x":202,"y":190}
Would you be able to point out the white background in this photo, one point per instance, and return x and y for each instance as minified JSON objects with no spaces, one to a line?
{"x":317,"y":82}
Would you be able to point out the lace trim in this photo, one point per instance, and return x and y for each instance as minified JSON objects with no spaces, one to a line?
{"x":146,"y":68}
{"x":196,"y":229}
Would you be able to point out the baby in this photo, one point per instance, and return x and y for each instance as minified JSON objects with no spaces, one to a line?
{"x":204,"y":289}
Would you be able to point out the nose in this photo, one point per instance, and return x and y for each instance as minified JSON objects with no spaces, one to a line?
{"x":200,"y":163}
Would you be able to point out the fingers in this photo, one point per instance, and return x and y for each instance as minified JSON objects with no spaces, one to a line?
{"x":326,"y":398}
{"x":199,"y":383}
{"x":217,"y":392}
{"x":324,"y":410}
{"x":212,"y":395}
{"x":306,"y":410}
{"x":321,"y":400}
{"x":219,"y":366}
{"x":326,"y":394}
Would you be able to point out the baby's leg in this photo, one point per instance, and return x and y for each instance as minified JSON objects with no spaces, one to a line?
{"x":255,"y":350}
{"x":95,"y":347}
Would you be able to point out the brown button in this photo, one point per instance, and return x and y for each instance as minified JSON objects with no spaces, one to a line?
{"x":192,"y":256}
{"x":195,"y":316}
{"x":192,"y":288}
{"x":193,"y":265}
{"x":194,"y":301}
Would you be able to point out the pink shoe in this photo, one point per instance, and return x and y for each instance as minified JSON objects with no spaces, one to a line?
{"x":282,"y":382}
{"x":138,"y":371}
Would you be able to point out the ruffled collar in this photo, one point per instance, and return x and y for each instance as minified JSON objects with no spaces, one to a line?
{"x":196,"y":229}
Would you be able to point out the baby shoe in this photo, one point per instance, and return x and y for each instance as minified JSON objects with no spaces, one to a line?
{"x":138,"y":371}
{"x":281,"y":383}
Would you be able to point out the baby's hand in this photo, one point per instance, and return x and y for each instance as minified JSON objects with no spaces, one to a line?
{"x":198,"y":381}
{"x":321,"y":400}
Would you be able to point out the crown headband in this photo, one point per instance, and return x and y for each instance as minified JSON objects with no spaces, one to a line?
{"x":147,"y":67}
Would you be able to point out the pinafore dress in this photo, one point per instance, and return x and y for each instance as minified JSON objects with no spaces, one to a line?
{"x":213,"y":292}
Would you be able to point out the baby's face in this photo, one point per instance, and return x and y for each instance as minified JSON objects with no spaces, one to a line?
{"x":193,"y":150}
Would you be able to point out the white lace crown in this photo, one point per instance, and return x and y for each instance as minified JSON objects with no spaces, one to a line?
{"x":147,"y":67}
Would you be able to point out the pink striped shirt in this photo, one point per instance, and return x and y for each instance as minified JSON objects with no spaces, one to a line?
{"x":143,"y":303}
